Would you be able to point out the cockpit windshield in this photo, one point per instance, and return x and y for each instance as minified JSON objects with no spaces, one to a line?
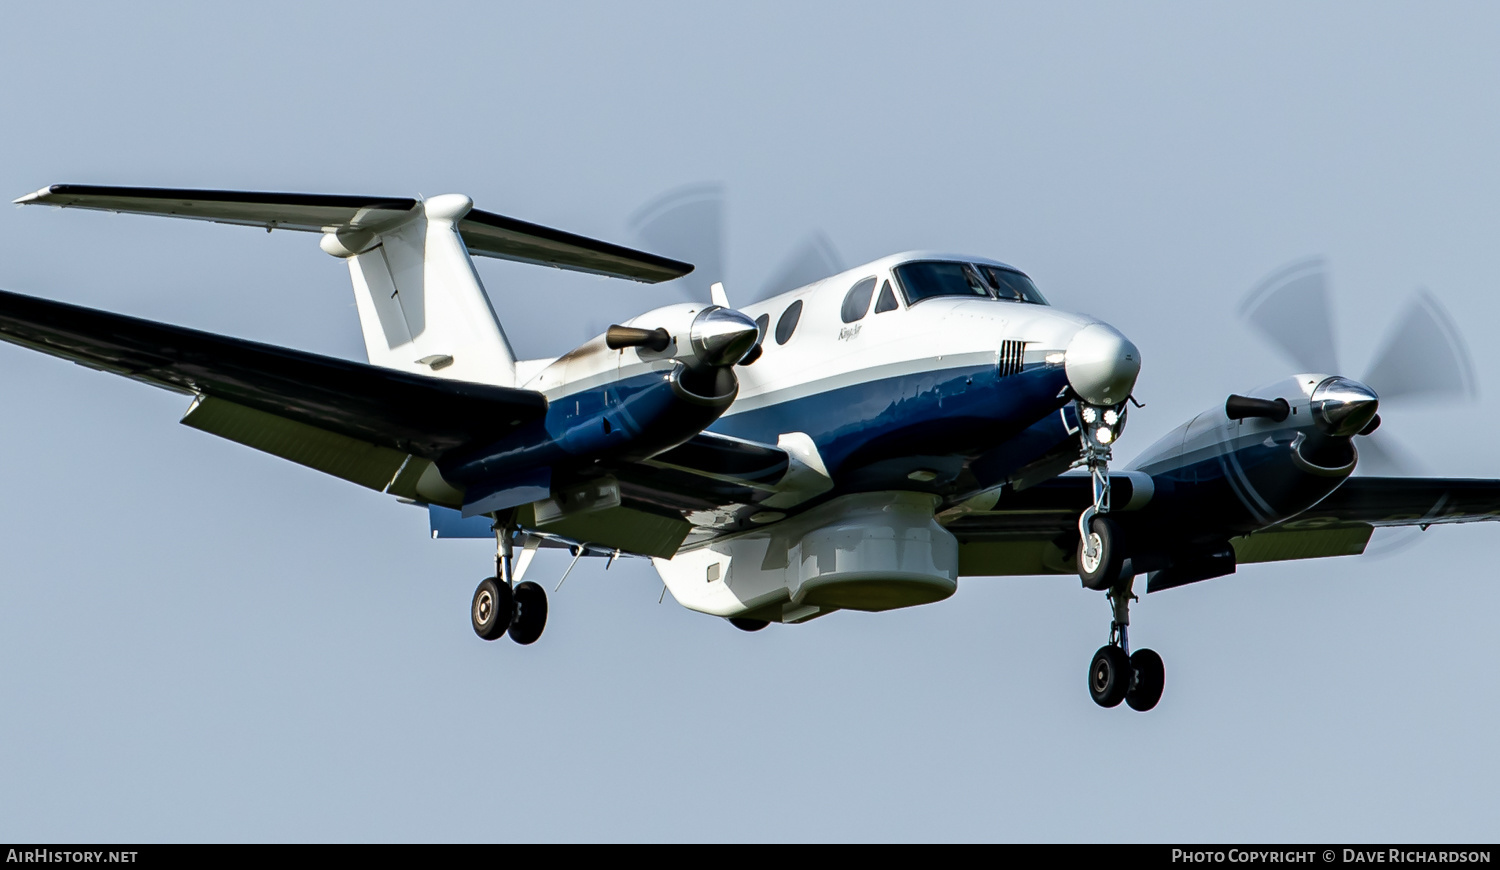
{"x":924,"y":280}
{"x":1011,"y":285}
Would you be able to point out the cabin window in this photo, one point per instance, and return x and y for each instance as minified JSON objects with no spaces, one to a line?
{"x":887,"y":300}
{"x":788,"y":322}
{"x":926,"y":280}
{"x":1011,"y":285}
{"x":857,"y":300}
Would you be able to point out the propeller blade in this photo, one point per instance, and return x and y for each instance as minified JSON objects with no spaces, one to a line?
{"x":1424,"y":356}
{"x":1390,"y":540}
{"x":1380,"y":456}
{"x":686,"y":224}
{"x":814,"y":259}
{"x":1290,"y":307}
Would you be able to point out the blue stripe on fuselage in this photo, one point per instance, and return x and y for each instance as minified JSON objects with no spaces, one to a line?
{"x":957,"y":410}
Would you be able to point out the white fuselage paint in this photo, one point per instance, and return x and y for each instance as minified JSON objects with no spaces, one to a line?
{"x":870,"y":551}
{"x":824,"y":353}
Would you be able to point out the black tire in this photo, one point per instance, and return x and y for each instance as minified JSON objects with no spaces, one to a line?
{"x":1150,"y":679}
{"x":1106,"y":570}
{"x":744,"y":624}
{"x":1109,"y":676}
{"x":489,"y":612}
{"x":530,"y":613}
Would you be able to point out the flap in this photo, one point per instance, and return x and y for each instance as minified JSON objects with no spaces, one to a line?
{"x":329,"y":452}
{"x":1280,"y":546}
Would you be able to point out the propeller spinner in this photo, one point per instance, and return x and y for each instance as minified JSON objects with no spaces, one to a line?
{"x":1423,"y":358}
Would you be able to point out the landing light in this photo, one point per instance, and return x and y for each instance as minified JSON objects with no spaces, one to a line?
{"x":1104,"y":435}
{"x":1111,"y":416}
{"x":1089,"y":414}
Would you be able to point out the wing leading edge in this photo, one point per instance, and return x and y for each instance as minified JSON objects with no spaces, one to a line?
{"x":403,"y":412}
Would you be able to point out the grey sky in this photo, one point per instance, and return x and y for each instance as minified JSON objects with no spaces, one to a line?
{"x":201,"y":642}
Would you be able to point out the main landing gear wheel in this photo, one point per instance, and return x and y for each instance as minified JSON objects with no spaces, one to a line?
{"x":490,"y":612}
{"x":1150,"y":679}
{"x":530,"y":613}
{"x":744,"y":624}
{"x":1109,"y":676}
{"x":1100,"y":556}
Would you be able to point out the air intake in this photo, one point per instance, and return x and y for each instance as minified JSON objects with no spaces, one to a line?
{"x":1012,"y":357}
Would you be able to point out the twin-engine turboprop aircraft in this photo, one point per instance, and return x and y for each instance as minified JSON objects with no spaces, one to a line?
{"x":858,"y":443}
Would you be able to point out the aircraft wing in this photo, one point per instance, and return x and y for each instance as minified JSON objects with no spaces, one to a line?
{"x":709,"y":471}
{"x":1029,"y":532}
{"x":705,"y":488}
{"x":247,"y":384}
{"x":484,"y":233}
{"x":1406,"y":501}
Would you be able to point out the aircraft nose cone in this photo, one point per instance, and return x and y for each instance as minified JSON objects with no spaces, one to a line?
{"x":1342,"y":406}
{"x":722,"y":336}
{"x":1102,"y":364}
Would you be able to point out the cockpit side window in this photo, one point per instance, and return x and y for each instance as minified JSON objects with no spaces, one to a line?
{"x":1011,"y":285}
{"x":857,"y":301}
{"x":928,"y":279}
{"x":887,"y":300}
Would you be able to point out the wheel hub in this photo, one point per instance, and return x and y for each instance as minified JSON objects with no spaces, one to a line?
{"x":484,"y":608}
{"x":1092,"y":553}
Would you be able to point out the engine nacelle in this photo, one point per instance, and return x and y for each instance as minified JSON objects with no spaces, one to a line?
{"x":1249,"y":464}
{"x":623,"y":396}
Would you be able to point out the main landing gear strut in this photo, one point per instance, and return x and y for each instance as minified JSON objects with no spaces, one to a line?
{"x":1115,"y":674}
{"x":502,"y":604}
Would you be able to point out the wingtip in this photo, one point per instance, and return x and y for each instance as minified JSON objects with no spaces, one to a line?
{"x":34,"y":196}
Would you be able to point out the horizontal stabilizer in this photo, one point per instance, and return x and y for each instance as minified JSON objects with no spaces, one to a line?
{"x":413,"y":414}
{"x":484,"y":233}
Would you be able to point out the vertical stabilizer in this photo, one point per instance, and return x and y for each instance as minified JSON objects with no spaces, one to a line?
{"x":421,"y":304}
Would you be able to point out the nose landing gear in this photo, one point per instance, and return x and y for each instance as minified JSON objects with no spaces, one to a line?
{"x":1101,"y":557}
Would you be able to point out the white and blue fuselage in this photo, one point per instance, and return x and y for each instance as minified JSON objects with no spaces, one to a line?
{"x":958,"y":390}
